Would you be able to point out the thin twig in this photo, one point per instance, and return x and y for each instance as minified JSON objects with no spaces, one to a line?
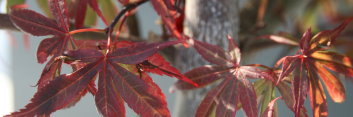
{"x":125,"y":10}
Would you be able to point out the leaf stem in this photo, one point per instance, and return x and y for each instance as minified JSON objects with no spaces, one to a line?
{"x":85,"y":30}
{"x":126,"y":9}
{"x":121,"y":26}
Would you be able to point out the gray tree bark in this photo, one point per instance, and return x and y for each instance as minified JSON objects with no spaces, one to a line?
{"x":209,"y":21}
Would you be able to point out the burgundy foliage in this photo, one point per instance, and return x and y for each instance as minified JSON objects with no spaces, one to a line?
{"x":122,"y":67}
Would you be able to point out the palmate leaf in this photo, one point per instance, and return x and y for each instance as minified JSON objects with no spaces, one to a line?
{"x":39,"y":25}
{"x":116,"y":84}
{"x":313,"y":63}
{"x":60,"y":92}
{"x":108,"y":99}
{"x":234,"y":88}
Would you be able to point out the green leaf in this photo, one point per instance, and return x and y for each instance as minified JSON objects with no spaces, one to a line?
{"x":91,"y":17}
{"x":108,"y":9}
{"x":43,"y":4}
{"x":10,"y":3}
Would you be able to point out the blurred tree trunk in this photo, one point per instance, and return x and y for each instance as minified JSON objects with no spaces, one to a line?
{"x":209,"y":21}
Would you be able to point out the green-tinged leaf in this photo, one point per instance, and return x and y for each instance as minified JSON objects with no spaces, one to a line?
{"x":268,"y":96}
{"x":287,"y":94}
{"x":109,"y":9}
{"x":43,"y":5}
{"x":10,"y":3}
{"x":91,"y":18}
{"x":270,"y":109}
{"x":260,"y":86}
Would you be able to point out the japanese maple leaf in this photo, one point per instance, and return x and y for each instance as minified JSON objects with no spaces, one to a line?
{"x":313,"y":63}
{"x":38,"y":25}
{"x":266,"y":91}
{"x":234,"y":87}
{"x":116,"y":84}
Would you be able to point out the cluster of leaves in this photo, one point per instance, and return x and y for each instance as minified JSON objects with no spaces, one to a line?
{"x":314,"y":60}
{"x":121,"y":67}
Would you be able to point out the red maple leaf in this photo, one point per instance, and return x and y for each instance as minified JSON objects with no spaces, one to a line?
{"x":116,"y":83}
{"x":234,"y":87}
{"x":315,"y":61}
